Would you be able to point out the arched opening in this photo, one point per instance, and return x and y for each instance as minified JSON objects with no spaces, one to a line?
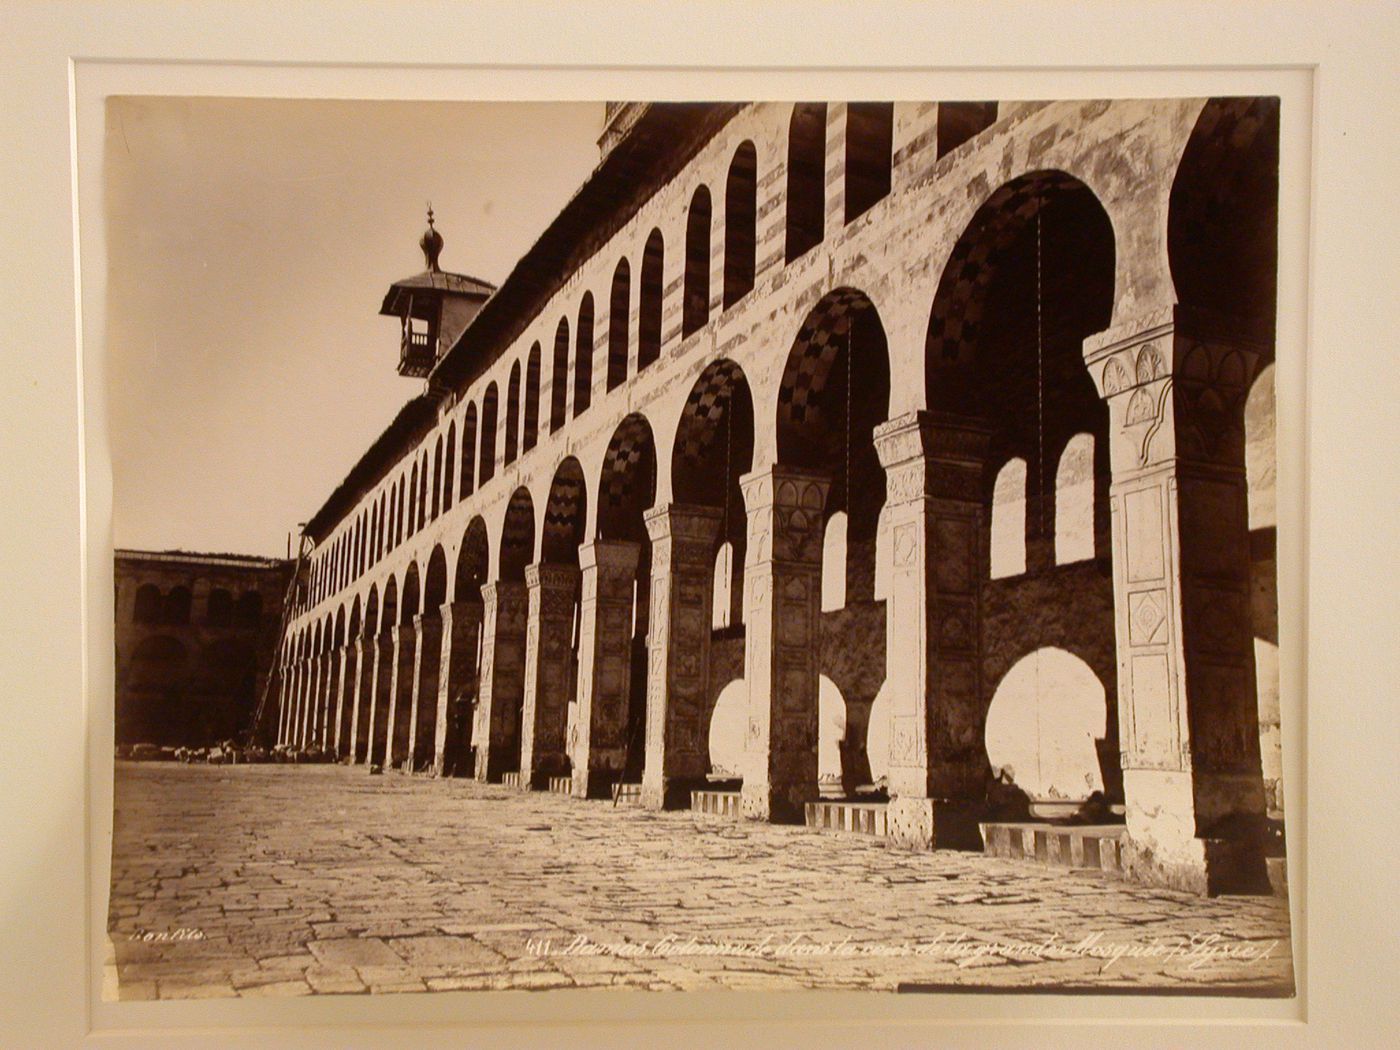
{"x":1046,"y":727}
{"x":1074,"y":501}
{"x":449,"y":471}
{"x":422,"y":492}
{"x":413,"y":499}
{"x":626,"y":490}
{"x":383,"y":678}
{"x":1222,"y":244}
{"x":410,"y":606}
{"x":806,"y":179}
{"x":424,"y":723}
{"x":713,"y":450}
{"x":148,"y":605}
{"x":831,"y":738}
{"x":619,"y":305}
{"x":565,"y":515}
{"x":1007,"y":539}
{"x":219,"y":611}
{"x":368,"y":628}
{"x":650,"y":307}
{"x":695,"y":306}
{"x":487,"y":469}
{"x":869,"y":155}
{"x":469,"y":451}
{"x":740,"y":223}
{"x":518,"y":537}
{"x":436,"y":494}
{"x":835,"y":390}
{"x":532,"y":398}
{"x":729,"y":722}
{"x":559,"y":379}
{"x":175,"y":608}
{"x":512,"y":415}
{"x":153,"y":706}
{"x":1029,"y":279}
{"x":583,"y":357}
{"x":464,"y":669}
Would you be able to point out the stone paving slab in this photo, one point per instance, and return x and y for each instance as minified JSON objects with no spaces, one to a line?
{"x":296,"y":880}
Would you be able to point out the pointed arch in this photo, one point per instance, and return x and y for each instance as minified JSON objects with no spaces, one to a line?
{"x":583,"y":357}
{"x":532,"y":400}
{"x":619,"y":306}
{"x":695,"y":304}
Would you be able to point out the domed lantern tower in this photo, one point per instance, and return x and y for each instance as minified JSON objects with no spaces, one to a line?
{"x":433,"y":308}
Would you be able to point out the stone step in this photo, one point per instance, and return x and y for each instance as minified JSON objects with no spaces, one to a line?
{"x":1097,"y":846}
{"x":561,"y":785}
{"x":718,"y":803}
{"x":627,"y":794}
{"x":863,"y":818}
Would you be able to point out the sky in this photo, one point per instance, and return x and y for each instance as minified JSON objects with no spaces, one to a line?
{"x":250,"y":244}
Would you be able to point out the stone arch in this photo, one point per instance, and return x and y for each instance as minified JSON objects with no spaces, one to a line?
{"x":158,"y":711}
{"x":835,"y":390}
{"x":1074,"y":501}
{"x":627,"y":484}
{"x":583,"y":356}
{"x":422,"y":491}
{"x":559,"y":377}
{"x":512,"y":447}
{"x":435,"y":582}
{"x":740,"y":223}
{"x":449,"y":468}
{"x":1222,"y":219}
{"x":389,"y":613}
{"x":695,"y":298}
{"x":436,"y":495}
{"x":1046,"y":725}
{"x":473,"y":563}
{"x":650,"y":304}
{"x":413,"y":499}
{"x":531,"y":425}
{"x":175,"y":607}
{"x":869,"y":155}
{"x":353,"y":626}
{"x":565,"y":515}
{"x":468,"y":480}
{"x":713,"y":449}
{"x":960,"y":121}
{"x":489,"y":407}
{"x":410,"y":603}
{"x":517,"y":544}
{"x":619,"y":307}
{"x":806,"y":179}
{"x":371,"y":621}
{"x":1006,"y":545}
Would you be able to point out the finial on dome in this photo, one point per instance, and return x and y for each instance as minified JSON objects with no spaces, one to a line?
{"x":431,"y":243}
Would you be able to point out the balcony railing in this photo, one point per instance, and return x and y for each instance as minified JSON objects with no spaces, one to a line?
{"x":416,"y":355}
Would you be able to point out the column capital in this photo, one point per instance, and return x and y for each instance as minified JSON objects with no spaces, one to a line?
{"x":502,"y":589}
{"x":551,"y":576}
{"x":783,"y":486}
{"x":610,"y":557}
{"x":946,"y":437}
{"x":684,"y":521}
{"x":1176,"y":341}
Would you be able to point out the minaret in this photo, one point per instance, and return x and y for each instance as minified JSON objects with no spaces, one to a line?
{"x":433,"y":307}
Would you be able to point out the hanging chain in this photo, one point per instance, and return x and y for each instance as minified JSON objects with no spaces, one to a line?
{"x":849,"y":501}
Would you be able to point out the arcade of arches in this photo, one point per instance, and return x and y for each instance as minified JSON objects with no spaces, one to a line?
{"x":920,"y":463}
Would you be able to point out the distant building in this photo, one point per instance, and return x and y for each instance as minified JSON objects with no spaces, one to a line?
{"x":195,"y":637}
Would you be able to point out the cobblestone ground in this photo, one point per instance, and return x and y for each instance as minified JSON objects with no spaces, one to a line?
{"x":323,"y":879}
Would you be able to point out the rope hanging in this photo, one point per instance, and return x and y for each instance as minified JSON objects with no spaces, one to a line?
{"x":1039,"y":372}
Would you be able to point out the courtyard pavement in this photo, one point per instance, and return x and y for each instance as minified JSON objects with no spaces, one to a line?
{"x":297,"y":880}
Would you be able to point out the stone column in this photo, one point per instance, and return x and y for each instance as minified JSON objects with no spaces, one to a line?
{"x":1175,"y":384}
{"x":397,"y":750}
{"x":381,"y":690}
{"x":461,"y":622}
{"x":501,"y":688}
{"x":934,"y":464}
{"x":548,"y":684}
{"x":310,"y":695}
{"x":294,"y":703}
{"x":321,"y":732}
{"x":782,"y":610}
{"x":607,"y":583}
{"x":356,"y":722}
{"x":683,"y":541}
{"x":427,"y":651}
{"x":284,"y":702}
{"x":340,"y":678}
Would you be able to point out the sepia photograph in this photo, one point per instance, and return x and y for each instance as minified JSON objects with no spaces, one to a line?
{"x":695,"y":546}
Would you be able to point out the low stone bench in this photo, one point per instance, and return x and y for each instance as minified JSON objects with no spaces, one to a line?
{"x":716,"y":803}
{"x":862,"y":818}
{"x":1068,"y":846}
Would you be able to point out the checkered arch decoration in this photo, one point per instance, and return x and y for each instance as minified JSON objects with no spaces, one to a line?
{"x":518,"y":536}
{"x":705,"y":409}
{"x":820,"y":339}
{"x":953,"y":327}
{"x":628,"y":480}
{"x":564,"y":514}
{"x":473,"y":563}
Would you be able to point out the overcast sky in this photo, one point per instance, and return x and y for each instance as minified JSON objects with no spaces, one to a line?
{"x":251,"y":242}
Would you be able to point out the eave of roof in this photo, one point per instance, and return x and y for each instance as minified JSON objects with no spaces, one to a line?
{"x":438,"y":280}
